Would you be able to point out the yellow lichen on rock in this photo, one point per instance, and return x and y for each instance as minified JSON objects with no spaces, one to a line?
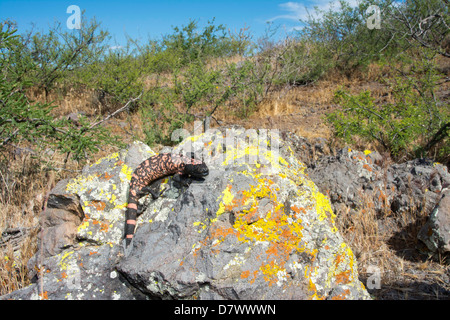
{"x":282,"y":210}
{"x":127,"y":172}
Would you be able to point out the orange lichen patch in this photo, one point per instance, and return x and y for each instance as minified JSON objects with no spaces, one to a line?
{"x":220,"y":233}
{"x":107,"y":176}
{"x":255,"y":274}
{"x":367,"y":167}
{"x":44,"y":295}
{"x":251,"y":215}
{"x":343,"y":267}
{"x":273,"y":250}
{"x":195,"y":253}
{"x":104,"y":227}
{"x":275,"y":228}
{"x":64,"y":275}
{"x":298,"y":210}
{"x":339,"y":259}
{"x":343,"y":277}
{"x":98,"y":205}
{"x":280,"y":251}
{"x":93,"y":252}
{"x":245,"y":274}
{"x":119,"y":163}
{"x":342,"y":296}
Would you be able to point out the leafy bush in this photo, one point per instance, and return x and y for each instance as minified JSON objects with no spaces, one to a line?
{"x":55,"y":54}
{"x":118,"y":76}
{"x":21,"y":120}
{"x":198,"y":91}
{"x":410,"y":126}
{"x":189,"y":45}
{"x":341,"y":39}
{"x":160,"y":121}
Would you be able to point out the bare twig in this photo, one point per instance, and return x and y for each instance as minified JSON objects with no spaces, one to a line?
{"x":438,"y":136}
{"x":126,"y":106}
{"x":5,"y":141}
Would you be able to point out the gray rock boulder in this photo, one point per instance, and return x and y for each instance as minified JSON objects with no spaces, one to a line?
{"x":349,"y":178}
{"x":86,"y":272}
{"x":256,"y":228}
{"x":355,"y":180}
{"x":436,"y":232}
{"x":416,"y":185}
{"x":59,"y":221}
{"x":353,"y":176}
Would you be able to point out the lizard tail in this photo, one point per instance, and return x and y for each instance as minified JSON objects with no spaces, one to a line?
{"x":130,"y":220}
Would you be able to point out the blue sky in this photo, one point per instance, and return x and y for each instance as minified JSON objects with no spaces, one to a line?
{"x":150,"y":19}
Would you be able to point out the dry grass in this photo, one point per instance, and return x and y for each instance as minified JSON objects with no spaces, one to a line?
{"x":302,"y":109}
{"x":386,"y":245}
{"x":23,"y":190}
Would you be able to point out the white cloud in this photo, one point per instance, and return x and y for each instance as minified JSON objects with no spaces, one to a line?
{"x":300,"y":10}
{"x":296,"y":11}
{"x":115,"y":47}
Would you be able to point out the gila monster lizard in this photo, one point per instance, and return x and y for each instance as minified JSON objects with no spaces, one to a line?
{"x":153,"y":168}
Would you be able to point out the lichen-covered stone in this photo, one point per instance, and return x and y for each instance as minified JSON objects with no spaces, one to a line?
{"x":103,"y":192}
{"x":251,"y":230}
{"x":89,"y":207}
{"x":84,"y":273}
{"x":256,"y":228}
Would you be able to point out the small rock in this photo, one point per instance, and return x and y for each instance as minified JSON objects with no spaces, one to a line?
{"x":436,"y":232}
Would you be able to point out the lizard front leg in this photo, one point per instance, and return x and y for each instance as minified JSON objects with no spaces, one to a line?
{"x":153,"y":189}
{"x":181,"y":180}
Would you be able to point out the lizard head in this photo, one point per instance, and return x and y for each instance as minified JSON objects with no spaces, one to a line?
{"x":196,"y":168}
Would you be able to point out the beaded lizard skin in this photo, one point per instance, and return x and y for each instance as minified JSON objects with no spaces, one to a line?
{"x":154,"y":168}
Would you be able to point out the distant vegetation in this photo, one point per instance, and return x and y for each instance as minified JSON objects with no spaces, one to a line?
{"x":193,"y":72}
